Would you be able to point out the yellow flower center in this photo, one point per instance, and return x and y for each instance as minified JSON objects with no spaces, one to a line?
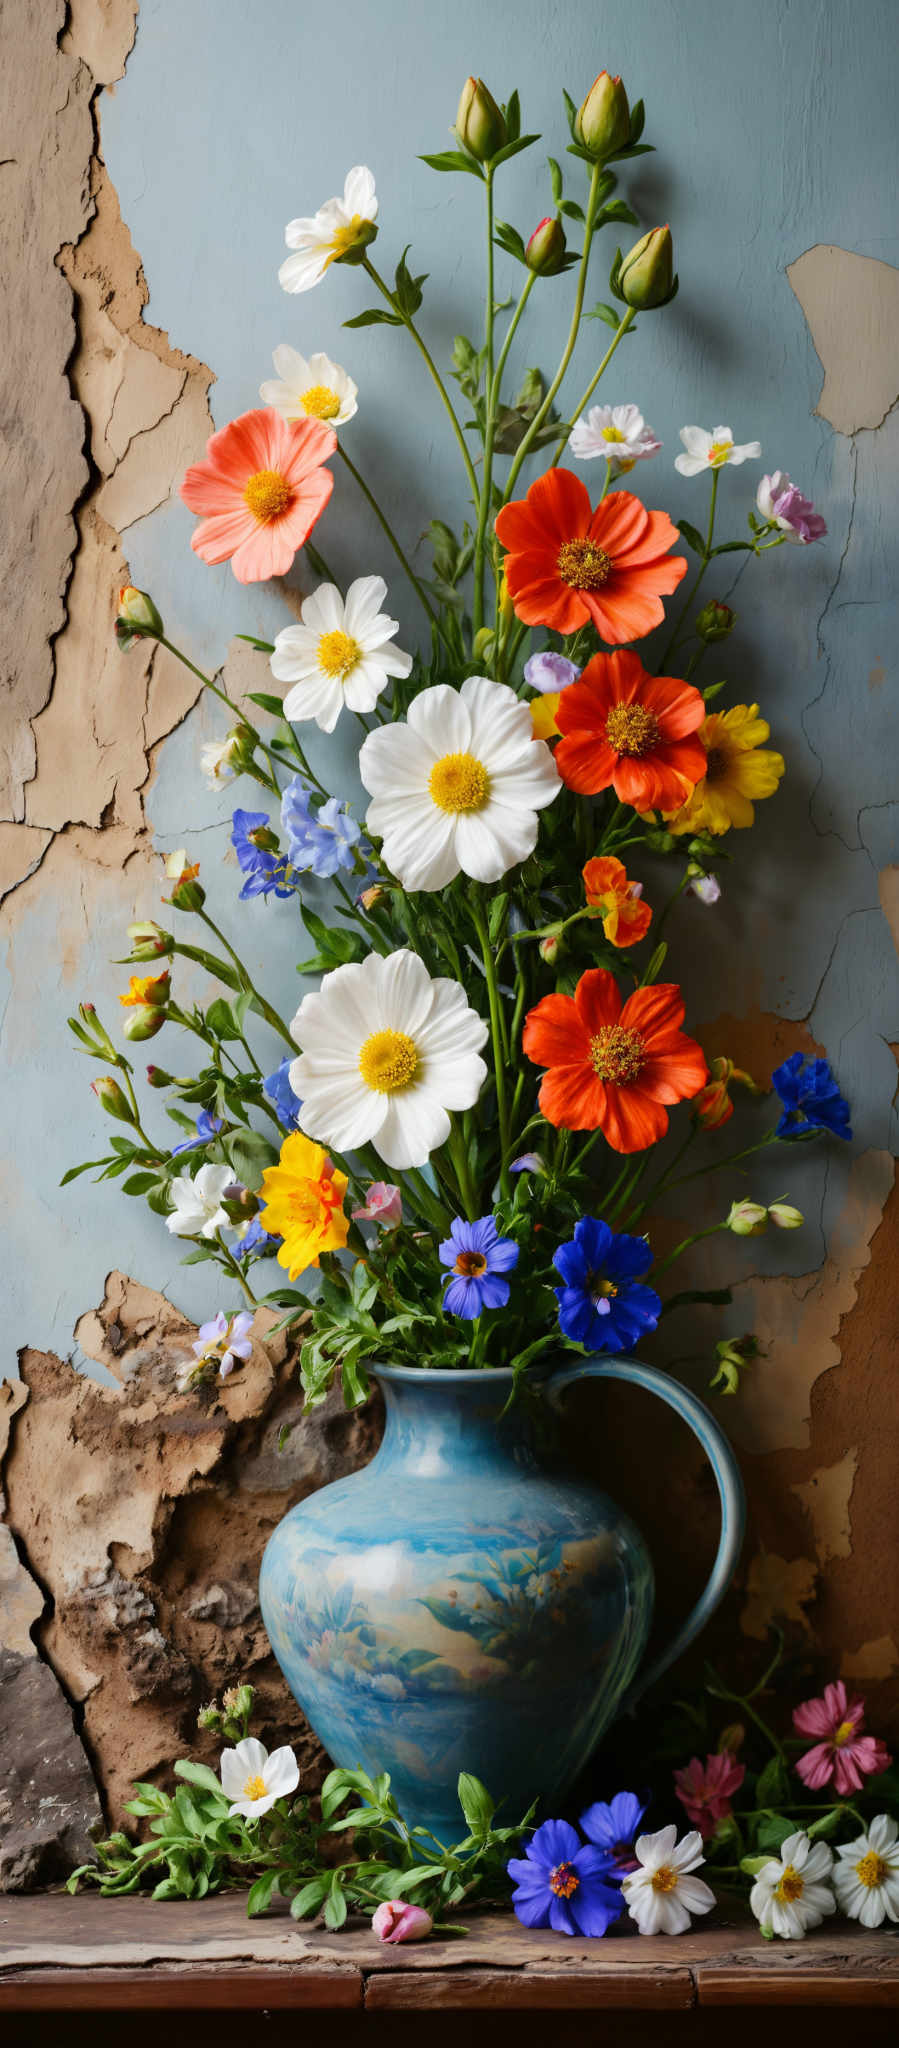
{"x":388,"y":1060}
{"x":612,"y":434}
{"x":338,"y":653}
{"x":267,"y":493}
{"x":583,"y":565}
{"x":872,"y":1871}
{"x":664,"y":1879}
{"x":791,"y":1887}
{"x":563,"y":1881}
{"x":255,"y":1788}
{"x":600,"y":1289}
{"x":459,"y":782}
{"x":320,"y":402}
{"x":720,"y":451}
{"x":471,"y":1265}
{"x":844,"y":1734}
{"x":632,"y":730}
{"x":345,"y":238}
{"x":616,"y":1054}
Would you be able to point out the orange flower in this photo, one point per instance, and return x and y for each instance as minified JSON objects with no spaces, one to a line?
{"x":147,"y":988}
{"x":567,"y":565}
{"x":625,"y":917}
{"x":262,"y":488}
{"x":713,"y":1107}
{"x":613,"y":1067}
{"x":639,"y":734}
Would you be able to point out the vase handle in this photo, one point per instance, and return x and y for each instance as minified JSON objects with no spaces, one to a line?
{"x":711,"y":1436}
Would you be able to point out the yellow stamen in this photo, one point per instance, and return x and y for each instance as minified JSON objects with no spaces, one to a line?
{"x":612,"y":434}
{"x":255,"y":1788}
{"x":388,"y":1061}
{"x":872,"y":1871}
{"x":338,"y":653}
{"x":844,"y":1733}
{"x":664,"y":1879}
{"x":563,"y":1881}
{"x":791,"y":1887}
{"x":616,"y":1054}
{"x":720,"y":451}
{"x":459,"y":782}
{"x":267,"y":493}
{"x":320,"y":402}
{"x":345,"y":238}
{"x":583,"y":565}
{"x":632,"y":730}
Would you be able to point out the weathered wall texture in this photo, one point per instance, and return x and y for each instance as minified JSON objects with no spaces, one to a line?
{"x":134,"y":1518}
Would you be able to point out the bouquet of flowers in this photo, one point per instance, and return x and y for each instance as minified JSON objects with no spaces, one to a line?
{"x":457,"y":1134}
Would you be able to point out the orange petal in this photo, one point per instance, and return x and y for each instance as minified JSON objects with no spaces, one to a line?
{"x":654,"y":1011}
{"x":553,"y":1034}
{"x":572,"y":1098}
{"x":585,"y":762}
{"x":602,"y":874}
{"x":217,"y":539}
{"x":631,"y":1120}
{"x":620,"y":523}
{"x":597,"y":999}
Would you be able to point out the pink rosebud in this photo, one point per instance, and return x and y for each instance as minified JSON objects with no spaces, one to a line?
{"x":383,"y":1204}
{"x":396,"y":1920}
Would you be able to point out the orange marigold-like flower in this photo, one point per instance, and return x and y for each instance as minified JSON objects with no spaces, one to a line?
{"x":567,"y":565}
{"x":636,"y":733}
{"x":146,"y":988}
{"x":261,"y":488}
{"x":613,"y":1066}
{"x":625,"y":917}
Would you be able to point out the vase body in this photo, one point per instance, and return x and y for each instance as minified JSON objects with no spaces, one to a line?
{"x":463,"y":1603}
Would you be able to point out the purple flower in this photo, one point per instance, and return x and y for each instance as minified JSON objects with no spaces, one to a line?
{"x":256,"y":1242}
{"x":208,"y":1127}
{"x":223,"y":1344}
{"x":706,"y":888}
{"x":477,"y":1258}
{"x":562,"y":1884}
{"x":811,"y":1099}
{"x":613,"y":1827}
{"x":260,"y":856}
{"x":285,"y":1103}
{"x":782,"y":504}
{"x":546,"y":672}
{"x":529,"y":1162}
{"x":601,"y":1305}
{"x":319,"y":841}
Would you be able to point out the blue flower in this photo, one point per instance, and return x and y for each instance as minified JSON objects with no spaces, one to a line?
{"x":477,"y":1258}
{"x":260,"y":1243}
{"x":263,"y":863}
{"x":285,"y":1103}
{"x":811,"y":1099}
{"x":208,"y":1127}
{"x":562,"y":1884}
{"x":322,"y":840}
{"x":613,"y":1828}
{"x":600,"y":1305}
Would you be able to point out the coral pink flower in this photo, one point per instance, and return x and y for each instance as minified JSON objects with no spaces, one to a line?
{"x":705,"y":1790}
{"x":841,"y":1751}
{"x":261,"y":489}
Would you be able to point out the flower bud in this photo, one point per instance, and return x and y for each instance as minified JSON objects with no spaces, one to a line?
{"x":732,"y":1355}
{"x":731,"y":1739}
{"x":143,"y":1021}
{"x":785,"y":1216}
{"x":369,"y":897}
{"x":546,"y":249}
{"x":603,"y":123}
{"x":484,"y":641}
{"x":480,"y":123}
{"x":187,"y":893}
{"x":137,"y":618}
{"x":747,"y":1219}
{"x":646,"y":276}
{"x":148,"y":940}
{"x":706,"y":888}
{"x":715,"y":621}
{"x":210,"y":1718}
{"x":239,"y":1700}
{"x":550,"y":947}
{"x":158,"y":1078}
{"x":397,"y":1920}
{"x":112,"y":1098}
{"x":90,"y":1020}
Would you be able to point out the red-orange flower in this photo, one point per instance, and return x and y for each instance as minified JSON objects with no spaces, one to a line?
{"x":636,"y":733}
{"x":262,"y":488}
{"x":713,"y":1106}
{"x":625,"y":917}
{"x":613,"y":1066}
{"x":567,"y":564}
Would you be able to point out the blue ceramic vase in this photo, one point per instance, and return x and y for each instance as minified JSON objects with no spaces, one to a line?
{"x":464,"y":1603}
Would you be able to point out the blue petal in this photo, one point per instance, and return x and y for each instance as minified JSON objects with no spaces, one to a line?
{"x":594,"y":1239}
{"x":463,"y":1298}
{"x":627,"y":1257}
{"x":569,"y":1260}
{"x":556,"y":1842}
{"x":560,"y":1919}
{"x":532,"y":1908}
{"x":494,"y":1291}
{"x":594,"y":1907}
{"x":502,"y":1255}
{"x":576,"y":1314}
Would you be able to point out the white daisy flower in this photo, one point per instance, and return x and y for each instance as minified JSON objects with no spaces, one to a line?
{"x":791,"y":1893}
{"x":197,"y":1202}
{"x":866,"y":1874}
{"x":217,"y":759}
{"x":712,"y":451}
{"x":662,"y":1895}
{"x":386,"y":1054}
{"x":458,"y":786}
{"x":618,"y":433}
{"x":338,"y":653}
{"x":315,"y":389}
{"x":253,"y":1780}
{"x":337,"y":227}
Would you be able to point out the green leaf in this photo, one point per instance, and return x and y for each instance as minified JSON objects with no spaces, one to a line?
{"x":512,"y":113}
{"x":200,"y":1775}
{"x":828,"y":1823}
{"x":376,"y":316}
{"x":555,"y":173}
{"x":733,"y":547}
{"x":139,"y":1183}
{"x":220,"y":1019}
{"x":772,"y":1831}
{"x":476,"y":1803}
{"x":508,"y":238}
{"x":638,"y":121}
{"x":606,"y":313}
{"x":335,"y":1903}
{"x":261,"y":697}
{"x":249,"y":1153}
{"x":773,"y":1784}
{"x":260,"y":1895}
{"x":261,"y":646}
{"x":85,"y":1167}
{"x":571,"y":111}
{"x":571,"y":209}
{"x":618,"y":209}
{"x":692,"y":537}
{"x":452,"y":160}
{"x":408,"y":288}
{"x":309,"y":1898}
{"x":753,"y":1864}
{"x":514,"y":149}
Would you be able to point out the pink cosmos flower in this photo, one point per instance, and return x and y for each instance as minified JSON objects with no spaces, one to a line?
{"x":261,"y":489}
{"x":396,"y":1920}
{"x":383,"y":1204}
{"x":706,"y":1790}
{"x":784,"y":504}
{"x":841,"y":1751}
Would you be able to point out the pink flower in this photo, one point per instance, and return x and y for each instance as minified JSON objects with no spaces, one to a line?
{"x":262,"y":488}
{"x":783,"y":504}
{"x":841,"y":1752}
{"x":706,"y":1790}
{"x":396,"y":1920}
{"x":383,"y":1204}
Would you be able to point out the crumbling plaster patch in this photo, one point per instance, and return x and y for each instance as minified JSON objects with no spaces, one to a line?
{"x":851,"y":304}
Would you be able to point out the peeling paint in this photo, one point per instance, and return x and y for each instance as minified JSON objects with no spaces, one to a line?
{"x":777,"y":1590}
{"x":851,"y":304}
{"x":827,"y":1497}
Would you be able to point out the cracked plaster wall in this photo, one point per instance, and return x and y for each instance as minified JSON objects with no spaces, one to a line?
{"x":141,"y":213}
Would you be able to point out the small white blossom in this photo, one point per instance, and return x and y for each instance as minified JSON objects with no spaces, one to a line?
{"x":618,"y":433}
{"x":662,"y":1894}
{"x":712,"y":451}
{"x":253,"y":1780}
{"x":339,"y":652}
{"x":791,"y":1893}
{"x":325,"y":237}
{"x":197,"y":1202}
{"x":315,"y":389}
{"x":217,"y":760}
{"x":866,"y":1874}
{"x":706,"y":888}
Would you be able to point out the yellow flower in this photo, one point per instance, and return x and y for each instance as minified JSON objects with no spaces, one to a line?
{"x":304,"y":1204}
{"x":147,"y":988}
{"x":543,"y":715}
{"x":739,"y":770}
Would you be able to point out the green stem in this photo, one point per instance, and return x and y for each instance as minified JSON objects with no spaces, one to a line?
{"x":461,"y":1167}
{"x":690,"y":599}
{"x":665,"y":1186}
{"x":396,"y":545}
{"x":498,"y":1037}
{"x":424,"y":351}
{"x":629,"y":316}
{"x":234,"y":709}
{"x":233,"y":1268}
{"x":685,"y":1243}
{"x":568,"y":351}
{"x":125,"y":1072}
{"x":271,"y":1015}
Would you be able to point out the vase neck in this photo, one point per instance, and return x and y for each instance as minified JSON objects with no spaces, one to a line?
{"x":438,"y":1424}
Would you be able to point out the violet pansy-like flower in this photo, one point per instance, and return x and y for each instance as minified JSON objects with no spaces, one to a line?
{"x":612,"y":1827}
{"x":563,"y":1883}
{"x":478,"y":1259}
{"x":548,"y":671}
{"x":208,"y":1127}
{"x":259,"y":855}
{"x":783,"y":505}
{"x":840,"y":1752}
{"x":602,"y":1304}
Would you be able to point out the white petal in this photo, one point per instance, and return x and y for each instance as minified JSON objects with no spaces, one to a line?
{"x":421,"y":850}
{"x":882,"y":1833}
{"x":485,"y":849}
{"x":654,"y":1850}
{"x":415,"y":1125}
{"x":323,"y":609}
{"x":359,"y":192}
{"x":674,"y":1916}
{"x":233,"y":1773}
{"x":689,"y":1852}
{"x":253,"y":1809}
{"x":363,"y":602}
{"x":394,"y":761}
{"x":318,"y":698}
{"x":336,"y":1115}
{"x":818,"y":1863}
{"x":290,"y":365}
{"x":698,"y":441}
{"x":690,"y":465}
{"x":401,"y":992}
{"x":698,"y":1896}
{"x":300,"y":272}
{"x":441,"y":719}
{"x":282,"y":1772}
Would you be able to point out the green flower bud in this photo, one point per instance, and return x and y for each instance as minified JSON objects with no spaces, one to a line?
{"x":646,"y":276}
{"x":239,"y":1700}
{"x":546,"y":249}
{"x":158,"y":1078}
{"x":209,"y":1717}
{"x":785,"y":1216}
{"x":143,"y":1021}
{"x":747,"y":1219}
{"x":137,"y":618}
{"x":148,"y":940}
{"x":484,"y":640}
{"x":731,"y":1739}
{"x":715,"y":621}
{"x":187,"y":893}
{"x":480,"y":123}
{"x":603,"y":124}
{"x":112,"y":1098}
{"x":91,"y":1022}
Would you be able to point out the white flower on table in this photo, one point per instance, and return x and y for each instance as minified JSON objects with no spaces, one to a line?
{"x":662,"y":1894}
{"x":866,"y":1874}
{"x":617,"y":433}
{"x":338,"y":653}
{"x":253,"y":1780}
{"x":309,"y":389}
{"x":197,"y":1202}
{"x":791,"y":1893}
{"x":326,"y":236}
{"x":712,"y":451}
